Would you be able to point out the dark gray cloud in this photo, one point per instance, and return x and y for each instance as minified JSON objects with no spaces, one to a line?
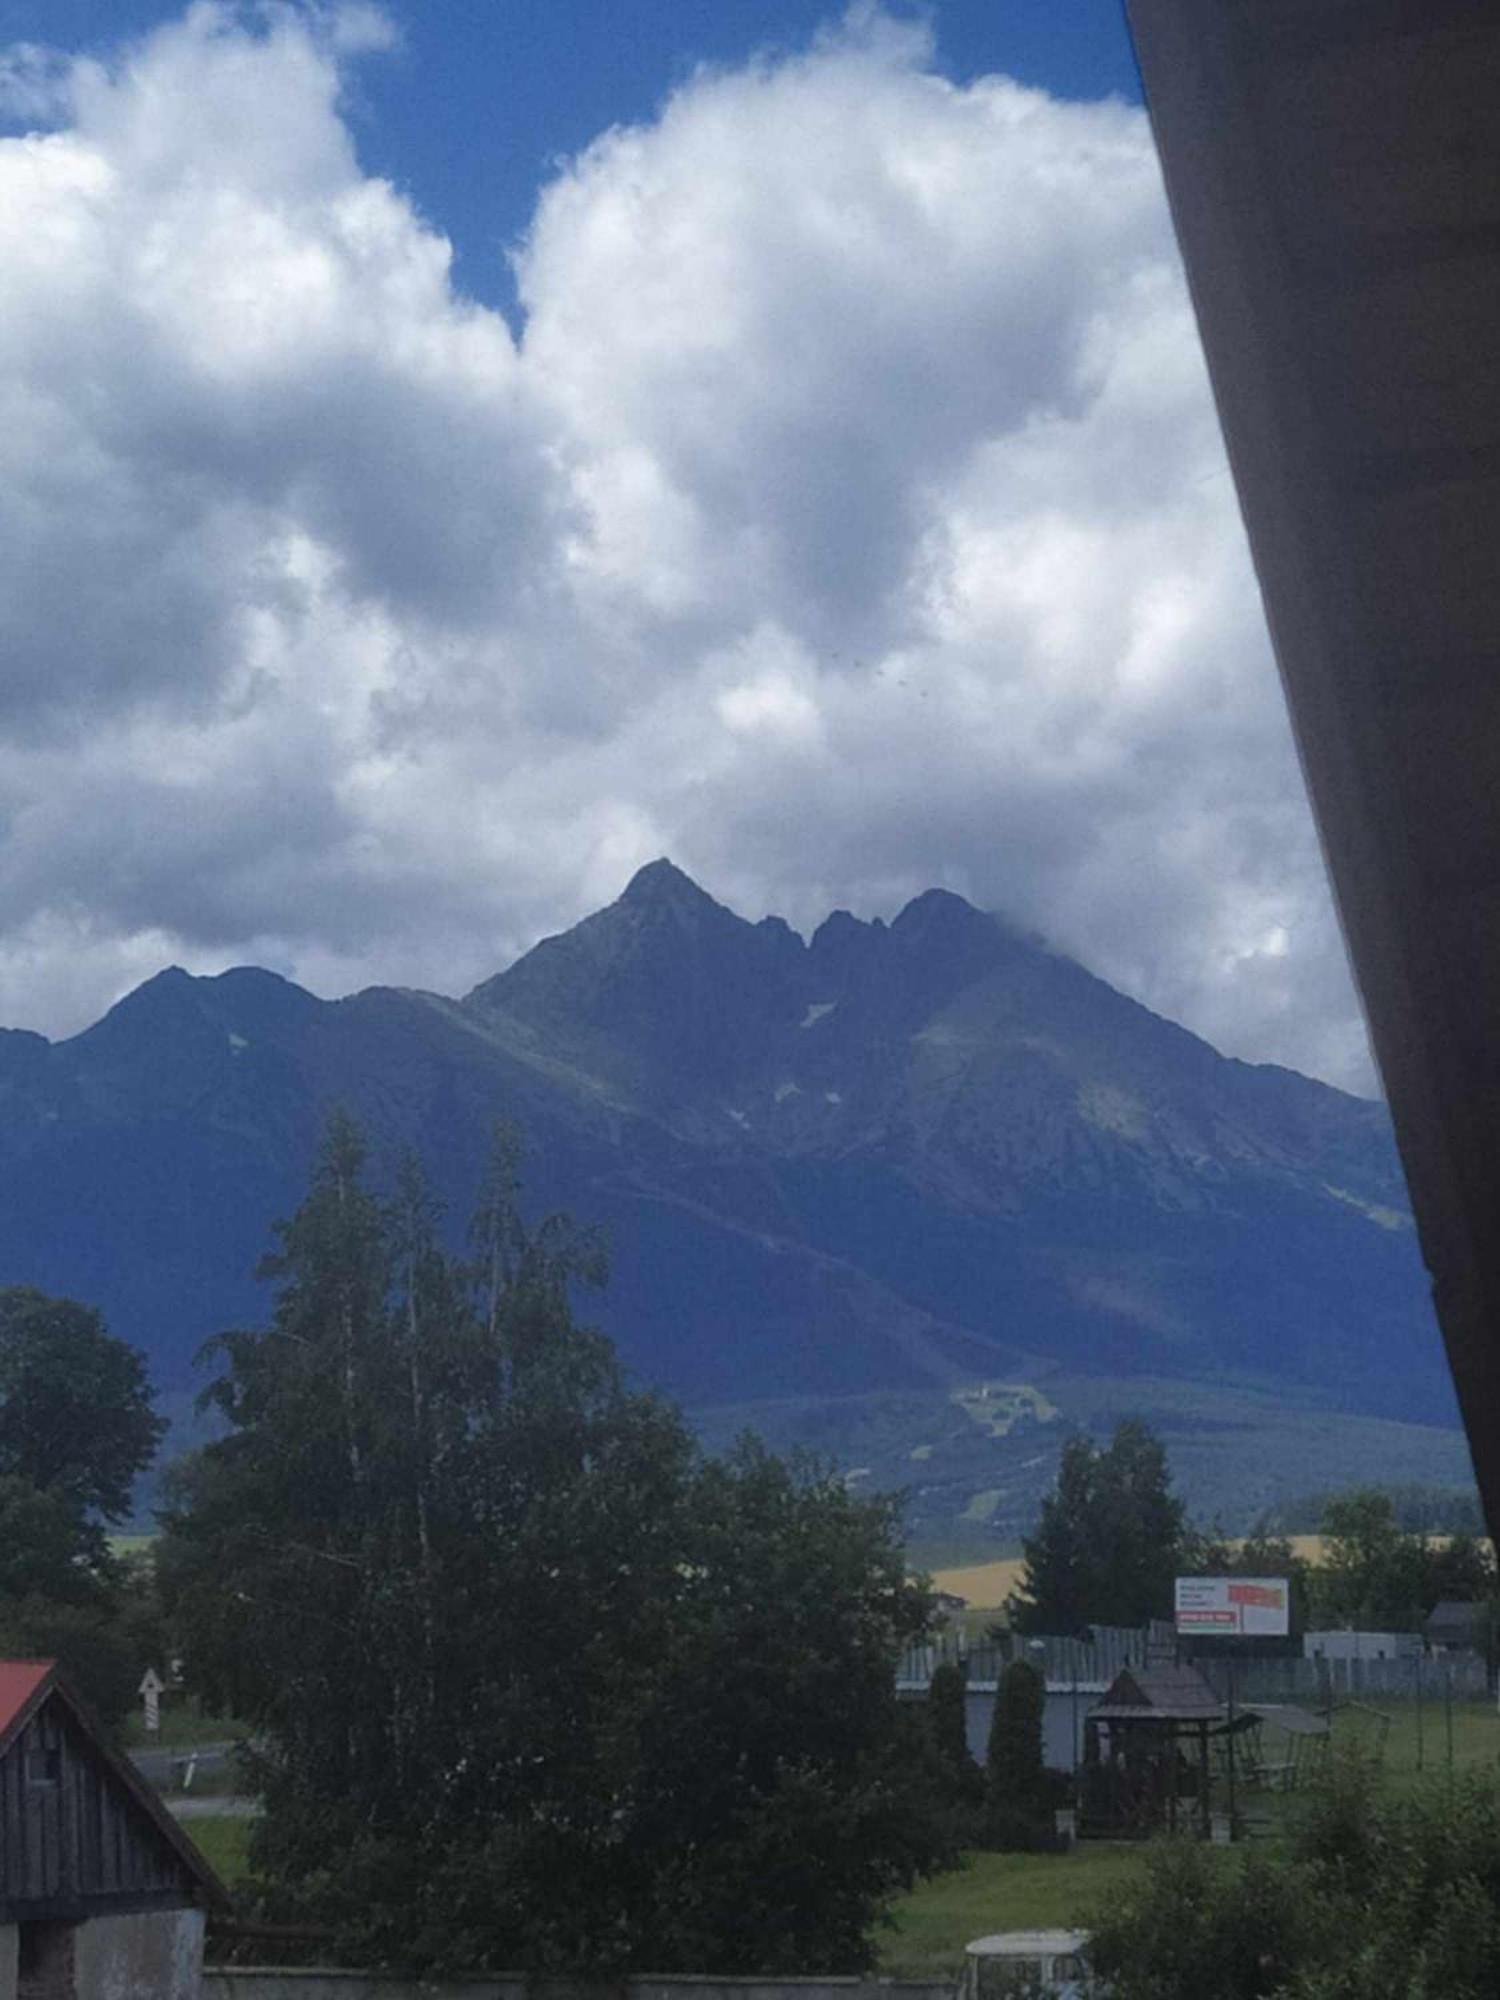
{"x":850,"y":516}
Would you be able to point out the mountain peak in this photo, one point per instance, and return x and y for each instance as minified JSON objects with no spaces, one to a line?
{"x":662,"y":881}
{"x":938,"y":906}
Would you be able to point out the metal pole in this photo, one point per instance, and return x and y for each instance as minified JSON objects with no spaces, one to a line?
{"x":1229,"y":1746}
{"x":1448,"y":1718}
{"x":1419,"y":1708}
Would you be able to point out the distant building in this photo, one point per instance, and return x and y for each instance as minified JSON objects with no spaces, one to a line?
{"x":1361,"y":1645}
{"x":101,"y":1893}
{"x":1455,"y":1627}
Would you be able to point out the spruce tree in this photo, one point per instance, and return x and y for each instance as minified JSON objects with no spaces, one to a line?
{"x":1016,"y":1790}
{"x":947,"y":1723}
{"x":1110,"y":1539}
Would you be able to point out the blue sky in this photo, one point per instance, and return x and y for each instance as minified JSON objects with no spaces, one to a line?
{"x":483,"y":96}
{"x":827,"y":493}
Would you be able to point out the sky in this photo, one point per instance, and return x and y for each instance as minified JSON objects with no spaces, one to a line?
{"x":455,"y":453}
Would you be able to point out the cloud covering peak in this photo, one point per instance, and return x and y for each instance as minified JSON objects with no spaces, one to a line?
{"x":849,"y":515}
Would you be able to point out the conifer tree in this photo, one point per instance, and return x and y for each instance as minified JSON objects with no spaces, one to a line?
{"x":1016,"y":1790}
{"x":1110,"y":1540}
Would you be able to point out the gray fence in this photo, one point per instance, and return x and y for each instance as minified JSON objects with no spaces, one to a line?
{"x":321,"y":1983}
{"x":1108,"y":1649}
{"x":1463,"y":1675}
{"x":1459,"y":1676}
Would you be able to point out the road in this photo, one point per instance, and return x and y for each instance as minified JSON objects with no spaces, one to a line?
{"x":183,"y":1805}
{"x":164,"y":1768}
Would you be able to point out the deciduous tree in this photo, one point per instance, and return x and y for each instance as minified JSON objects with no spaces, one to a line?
{"x":534,"y":1683}
{"x":1371,"y":1573}
{"x":76,"y":1418}
{"x":76,"y":1429}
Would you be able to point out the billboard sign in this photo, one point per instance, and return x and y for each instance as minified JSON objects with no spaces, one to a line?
{"x":1234,"y":1607}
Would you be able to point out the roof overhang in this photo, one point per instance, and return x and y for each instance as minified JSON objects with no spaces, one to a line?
{"x":1333,"y":168}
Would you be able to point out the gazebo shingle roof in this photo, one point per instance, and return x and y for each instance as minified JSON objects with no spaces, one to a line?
{"x":1171,"y":1694}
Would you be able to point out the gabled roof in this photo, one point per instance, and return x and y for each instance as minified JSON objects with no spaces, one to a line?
{"x":1173,"y":1694}
{"x":26,"y":1686}
{"x":1451,"y":1614}
{"x":20,"y":1681}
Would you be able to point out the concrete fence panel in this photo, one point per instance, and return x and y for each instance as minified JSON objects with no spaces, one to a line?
{"x":328,"y":1983}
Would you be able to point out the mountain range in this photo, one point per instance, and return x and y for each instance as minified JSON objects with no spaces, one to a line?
{"x":917,"y":1193}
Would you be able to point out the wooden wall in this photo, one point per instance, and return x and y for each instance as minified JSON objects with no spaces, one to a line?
{"x":70,"y":1832}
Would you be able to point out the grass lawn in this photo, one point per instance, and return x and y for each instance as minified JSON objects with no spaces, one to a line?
{"x":224,"y":1843}
{"x":1416,"y":1743}
{"x":1000,"y":1892}
{"x":1007,"y":1892}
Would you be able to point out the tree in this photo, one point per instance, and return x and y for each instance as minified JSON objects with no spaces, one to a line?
{"x":948,"y":1727}
{"x":1110,"y":1539}
{"x":1459,"y":1568}
{"x":1371,"y":1574}
{"x":76,"y":1418}
{"x":783,"y":1790}
{"x":1017,"y":1794}
{"x":76,"y":1429}
{"x":533,"y":1682}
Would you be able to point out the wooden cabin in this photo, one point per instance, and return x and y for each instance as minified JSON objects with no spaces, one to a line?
{"x":101,"y":1893}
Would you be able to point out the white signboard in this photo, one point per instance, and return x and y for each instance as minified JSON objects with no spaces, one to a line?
{"x":1235,"y":1607}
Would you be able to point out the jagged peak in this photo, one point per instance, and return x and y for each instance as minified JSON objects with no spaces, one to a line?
{"x":662,"y":881}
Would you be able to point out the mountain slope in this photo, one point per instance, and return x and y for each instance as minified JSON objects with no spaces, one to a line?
{"x":893,"y":1159}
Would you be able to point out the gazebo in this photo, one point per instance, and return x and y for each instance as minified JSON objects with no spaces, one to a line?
{"x":1146,"y":1751}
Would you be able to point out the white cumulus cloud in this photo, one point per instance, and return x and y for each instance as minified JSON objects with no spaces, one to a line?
{"x":848,"y":515}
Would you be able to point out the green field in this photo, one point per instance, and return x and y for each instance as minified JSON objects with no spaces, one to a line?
{"x":1000,"y":1892}
{"x":1007,"y":1892}
{"x":1416,"y":1740}
{"x":224,"y":1844}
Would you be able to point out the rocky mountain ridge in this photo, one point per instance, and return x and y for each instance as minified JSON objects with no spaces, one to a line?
{"x":900,"y":1158}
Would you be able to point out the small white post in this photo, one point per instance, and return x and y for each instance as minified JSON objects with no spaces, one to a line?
{"x":150,"y":1691}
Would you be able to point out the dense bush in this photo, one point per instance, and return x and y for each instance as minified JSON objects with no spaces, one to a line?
{"x":1369,"y":1899}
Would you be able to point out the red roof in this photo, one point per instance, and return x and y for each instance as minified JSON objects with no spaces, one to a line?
{"x":19,"y":1681}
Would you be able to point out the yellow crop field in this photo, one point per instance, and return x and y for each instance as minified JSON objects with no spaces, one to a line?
{"x":985,"y":1586}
